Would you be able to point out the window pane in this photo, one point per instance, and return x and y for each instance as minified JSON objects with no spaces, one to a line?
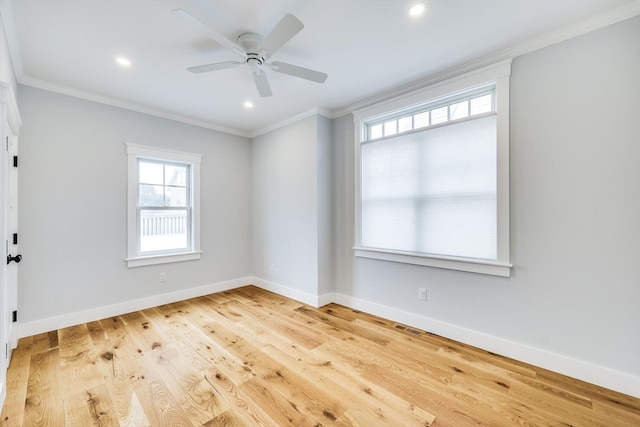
{"x":404,"y":124}
{"x":390,"y":128}
{"x":163,"y":230}
{"x":439,"y":115}
{"x":151,"y":195}
{"x":459,"y":110}
{"x":421,"y":120}
{"x":176,"y":175}
{"x":150,"y":173}
{"x":481,"y":104}
{"x":176,"y":196}
{"x":375,"y":132}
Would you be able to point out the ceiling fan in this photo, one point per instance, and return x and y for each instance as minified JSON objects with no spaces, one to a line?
{"x":255,"y":51}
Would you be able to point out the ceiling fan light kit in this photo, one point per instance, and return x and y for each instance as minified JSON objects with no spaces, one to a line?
{"x":256,"y":51}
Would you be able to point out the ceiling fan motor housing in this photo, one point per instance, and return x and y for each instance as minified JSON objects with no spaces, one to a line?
{"x":250,"y":42}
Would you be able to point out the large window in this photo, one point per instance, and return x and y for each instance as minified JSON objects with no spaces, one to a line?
{"x":433,"y":176}
{"x":163,"y":206}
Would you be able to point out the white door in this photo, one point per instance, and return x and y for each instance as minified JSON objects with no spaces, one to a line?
{"x":4,"y":297}
{"x":9,"y":125}
{"x":13,"y":255}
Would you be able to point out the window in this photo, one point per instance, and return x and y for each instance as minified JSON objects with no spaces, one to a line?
{"x":163,"y":206}
{"x":433,"y":169}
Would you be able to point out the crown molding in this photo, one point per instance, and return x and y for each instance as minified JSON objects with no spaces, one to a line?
{"x":595,"y":23}
{"x":318,"y":111}
{"x":114,"y":102}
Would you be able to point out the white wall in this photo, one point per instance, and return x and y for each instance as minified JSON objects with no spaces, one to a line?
{"x":73,"y":180}
{"x":285,"y":206}
{"x":324,"y":194}
{"x":575,"y":215}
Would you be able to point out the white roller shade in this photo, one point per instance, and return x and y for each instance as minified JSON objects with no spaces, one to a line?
{"x":432,"y":191}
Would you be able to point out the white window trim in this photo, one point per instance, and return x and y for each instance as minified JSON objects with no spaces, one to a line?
{"x":134,"y":152}
{"x":497,"y":74}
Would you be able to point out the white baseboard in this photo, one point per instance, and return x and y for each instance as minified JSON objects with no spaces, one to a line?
{"x":585,"y":371}
{"x":45,"y":325}
{"x":286,"y":291}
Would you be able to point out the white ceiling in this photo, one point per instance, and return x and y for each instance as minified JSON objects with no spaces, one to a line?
{"x":368,"y":48}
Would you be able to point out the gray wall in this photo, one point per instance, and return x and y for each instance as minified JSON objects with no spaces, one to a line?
{"x":285,"y":206}
{"x":293,"y":207}
{"x":324,"y":194}
{"x":73,"y":181}
{"x":575,"y":213}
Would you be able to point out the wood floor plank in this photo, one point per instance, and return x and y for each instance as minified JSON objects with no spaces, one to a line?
{"x":248,"y":357}
{"x":42,"y":407}
{"x":91,"y":407}
{"x":118,"y":368}
{"x":44,"y":342}
{"x":17,"y":381}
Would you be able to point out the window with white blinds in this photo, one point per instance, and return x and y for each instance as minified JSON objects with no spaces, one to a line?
{"x":432,"y":187}
{"x":432,"y":192}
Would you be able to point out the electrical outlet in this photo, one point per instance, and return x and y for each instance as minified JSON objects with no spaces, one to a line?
{"x":422,"y":294}
{"x":163,"y":277}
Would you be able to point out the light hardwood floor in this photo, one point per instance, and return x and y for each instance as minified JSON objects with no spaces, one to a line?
{"x":248,"y":357}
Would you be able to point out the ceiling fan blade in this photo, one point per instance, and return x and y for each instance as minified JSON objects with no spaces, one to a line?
{"x":296,"y":71}
{"x":262,"y":83}
{"x":215,"y":66}
{"x":200,"y":24}
{"x":288,"y":27}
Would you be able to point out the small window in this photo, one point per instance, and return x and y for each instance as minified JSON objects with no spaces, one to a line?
{"x":390,"y":128}
{"x":163,"y":206}
{"x":439,"y":115}
{"x":482,"y":104}
{"x":375,"y":132}
{"x":459,"y":110}
{"x":421,"y":120}
{"x":405,"y":124}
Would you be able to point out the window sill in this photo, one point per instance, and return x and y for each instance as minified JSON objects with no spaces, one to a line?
{"x":492,"y":268}
{"x":162,"y":259}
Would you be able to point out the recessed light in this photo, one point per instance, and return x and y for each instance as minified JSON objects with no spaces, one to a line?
{"x":417,"y":9}
{"x":248,"y":105}
{"x":122,"y":61}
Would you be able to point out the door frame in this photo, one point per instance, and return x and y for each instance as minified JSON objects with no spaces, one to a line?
{"x":10,"y":123}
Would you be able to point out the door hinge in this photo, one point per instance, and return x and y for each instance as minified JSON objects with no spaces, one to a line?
{"x":15,"y":161}
{"x":14,"y":316}
{"x":15,"y":238}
